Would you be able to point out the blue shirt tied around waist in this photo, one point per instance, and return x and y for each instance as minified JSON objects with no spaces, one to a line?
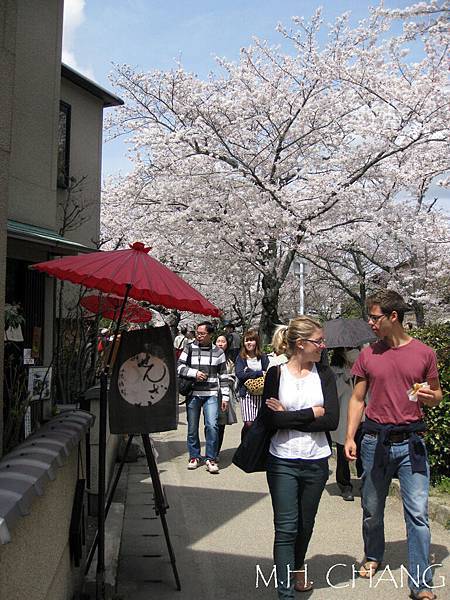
{"x":417,"y":453}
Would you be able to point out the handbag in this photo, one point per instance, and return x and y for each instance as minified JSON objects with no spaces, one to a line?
{"x":227,"y":417}
{"x":186,"y":384}
{"x":231,"y":414}
{"x":252,"y":454}
{"x":255,"y":386}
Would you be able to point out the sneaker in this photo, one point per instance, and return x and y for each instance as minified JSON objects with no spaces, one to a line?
{"x":212,"y":466}
{"x":193,"y":463}
{"x":347,"y":494}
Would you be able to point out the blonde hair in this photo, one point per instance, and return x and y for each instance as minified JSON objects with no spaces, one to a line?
{"x":278,"y":340}
{"x":299,"y":328}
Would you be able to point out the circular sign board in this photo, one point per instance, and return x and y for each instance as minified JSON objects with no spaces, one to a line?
{"x":143,"y":379}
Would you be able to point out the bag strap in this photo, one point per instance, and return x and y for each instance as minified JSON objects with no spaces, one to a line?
{"x":189,"y":355}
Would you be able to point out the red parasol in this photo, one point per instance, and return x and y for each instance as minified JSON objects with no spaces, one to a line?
{"x":109,"y":307}
{"x":125,"y":273}
{"x":133,"y":271}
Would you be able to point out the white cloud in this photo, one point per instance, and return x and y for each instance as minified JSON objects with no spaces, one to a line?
{"x":74,"y":17}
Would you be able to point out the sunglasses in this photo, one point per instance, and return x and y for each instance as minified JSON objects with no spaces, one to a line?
{"x":318,"y":343}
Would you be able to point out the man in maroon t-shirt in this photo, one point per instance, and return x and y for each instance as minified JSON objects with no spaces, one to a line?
{"x":392,"y":443}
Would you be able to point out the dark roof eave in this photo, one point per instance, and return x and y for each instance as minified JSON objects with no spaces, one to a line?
{"x":90,"y":86}
{"x":47,"y":237}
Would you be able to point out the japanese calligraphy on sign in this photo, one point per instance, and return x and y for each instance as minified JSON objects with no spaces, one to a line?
{"x":143,"y":379}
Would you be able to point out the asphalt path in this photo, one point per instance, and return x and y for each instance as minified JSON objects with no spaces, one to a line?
{"x":222,"y":533}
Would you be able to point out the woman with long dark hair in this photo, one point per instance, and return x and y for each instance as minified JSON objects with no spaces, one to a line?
{"x":227,"y":417}
{"x":300,"y":407}
{"x":250,"y":364}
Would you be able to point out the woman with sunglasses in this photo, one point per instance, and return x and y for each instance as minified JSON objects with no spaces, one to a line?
{"x":300,"y":407}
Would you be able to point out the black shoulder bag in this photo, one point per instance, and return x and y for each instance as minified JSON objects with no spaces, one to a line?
{"x":186,"y":384}
{"x":252,"y":454}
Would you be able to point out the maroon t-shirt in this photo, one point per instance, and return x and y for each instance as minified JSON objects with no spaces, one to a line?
{"x":390,"y":373}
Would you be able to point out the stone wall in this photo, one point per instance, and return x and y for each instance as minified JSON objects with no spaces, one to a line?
{"x":35,"y":559}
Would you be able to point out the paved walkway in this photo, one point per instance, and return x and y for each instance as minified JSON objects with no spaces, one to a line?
{"x":221,"y":530}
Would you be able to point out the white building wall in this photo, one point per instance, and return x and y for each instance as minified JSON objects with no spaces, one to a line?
{"x":32,"y":183}
{"x":85,"y":158}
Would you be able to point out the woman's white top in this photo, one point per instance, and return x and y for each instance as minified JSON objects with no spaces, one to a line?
{"x":254,"y":364}
{"x":295,"y":394}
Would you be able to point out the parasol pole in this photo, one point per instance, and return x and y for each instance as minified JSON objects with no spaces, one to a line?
{"x":100,"y":593}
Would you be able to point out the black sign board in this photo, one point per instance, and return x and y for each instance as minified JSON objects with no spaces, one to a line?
{"x":143,"y":388}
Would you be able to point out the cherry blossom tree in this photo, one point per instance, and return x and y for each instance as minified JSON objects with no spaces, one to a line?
{"x":404,"y":245}
{"x":280,"y":148}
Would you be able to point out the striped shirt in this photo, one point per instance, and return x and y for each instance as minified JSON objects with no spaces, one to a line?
{"x":210,"y":360}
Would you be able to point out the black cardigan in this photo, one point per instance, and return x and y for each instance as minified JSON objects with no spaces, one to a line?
{"x":302,"y":420}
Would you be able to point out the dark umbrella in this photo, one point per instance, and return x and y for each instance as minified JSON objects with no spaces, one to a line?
{"x":127,"y":273}
{"x":347,"y":333}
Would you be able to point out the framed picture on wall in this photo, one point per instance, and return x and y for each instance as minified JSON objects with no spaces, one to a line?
{"x":39,"y":382}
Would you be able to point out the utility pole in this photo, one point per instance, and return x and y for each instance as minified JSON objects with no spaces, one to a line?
{"x":300,"y":268}
{"x":301,"y":275}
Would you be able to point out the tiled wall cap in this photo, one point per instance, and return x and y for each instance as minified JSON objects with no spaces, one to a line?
{"x":36,"y":481}
{"x":23,"y":465}
{"x":64,"y":443}
{"x":39,"y":452}
{"x":22,"y":462}
{"x":5,"y":536}
{"x":24,"y":470}
{"x":18,"y":499}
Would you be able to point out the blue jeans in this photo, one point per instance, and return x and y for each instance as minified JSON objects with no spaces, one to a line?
{"x":210,"y":415}
{"x":414,"y":492}
{"x":296,"y":487}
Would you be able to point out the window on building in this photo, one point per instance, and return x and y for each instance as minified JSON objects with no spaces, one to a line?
{"x":64,"y":144}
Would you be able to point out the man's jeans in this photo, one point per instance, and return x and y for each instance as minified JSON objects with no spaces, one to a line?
{"x":210,"y":414}
{"x":414,"y":491}
{"x":296,"y":486}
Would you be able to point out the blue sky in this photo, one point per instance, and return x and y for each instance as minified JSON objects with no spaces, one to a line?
{"x":153,"y":34}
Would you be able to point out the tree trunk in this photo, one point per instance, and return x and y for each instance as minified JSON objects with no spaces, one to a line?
{"x":419,"y":313}
{"x":269,"y":314}
{"x":58,"y":351}
{"x":362,"y":299}
{"x":271,"y":282}
{"x":362,"y":283}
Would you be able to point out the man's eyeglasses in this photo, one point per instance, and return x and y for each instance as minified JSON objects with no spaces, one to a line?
{"x":375,"y":318}
{"x":321,"y":342}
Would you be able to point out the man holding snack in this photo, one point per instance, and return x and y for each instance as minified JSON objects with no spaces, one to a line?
{"x":400,"y":373}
